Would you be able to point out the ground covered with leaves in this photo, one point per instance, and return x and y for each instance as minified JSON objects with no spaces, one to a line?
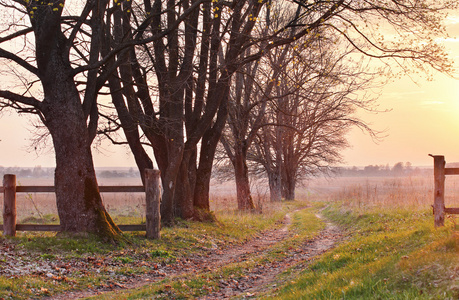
{"x":294,"y":251}
{"x":44,"y":265}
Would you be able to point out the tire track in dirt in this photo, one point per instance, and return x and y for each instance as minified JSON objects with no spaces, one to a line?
{"x":263,"y":277}
{"x":252,"y":283}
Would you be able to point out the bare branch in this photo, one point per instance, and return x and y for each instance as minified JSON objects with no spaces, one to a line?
{"x":30,"y":101}
{"x":18,"y":60}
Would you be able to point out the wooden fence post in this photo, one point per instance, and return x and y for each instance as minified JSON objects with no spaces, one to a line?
{"x":153,"y":200}
{"x":9,"y":204}
{"x":439,"y":196}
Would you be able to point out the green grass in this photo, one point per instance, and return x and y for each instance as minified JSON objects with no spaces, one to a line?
{"x":44,"y":219}
{"x":100,"y":263}
{"x":304,"y":226}
{"x":389,"y":255}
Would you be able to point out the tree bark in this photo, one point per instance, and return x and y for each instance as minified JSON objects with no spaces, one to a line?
{"x":275,"y":187}
{"x":183,"y":197}
{"x":209,"y":145}
{"x":289,"y":188}
{"x":241,"y":173}
{"x":201,"y":199}
{"x":78,"y":199}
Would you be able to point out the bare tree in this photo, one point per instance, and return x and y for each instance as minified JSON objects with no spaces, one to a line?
{"x":192,"y":70}
{"x":71,"y":121}
{"x":249,"y":99}
{"x":316,"y":92}
{"x":316,"y":96}
{"x":59,"y":53}
{"x":184,"y":112}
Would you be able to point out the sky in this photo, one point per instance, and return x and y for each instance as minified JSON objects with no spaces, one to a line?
{"x":423,"y":119}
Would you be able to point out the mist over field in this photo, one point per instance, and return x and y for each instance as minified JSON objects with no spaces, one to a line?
{"x":399,"y":186}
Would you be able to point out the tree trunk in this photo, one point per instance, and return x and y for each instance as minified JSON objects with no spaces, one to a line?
{"x":78,"y":199}
{"x":275,"y":187}
{"x":175,"y":155}
{"x":289,"y":183}
{"x":183,"y":196}
{"x":130,"y":129}
{"x":203,"y":174}
{"x":201,"y":190}
{"x":241,"y":172}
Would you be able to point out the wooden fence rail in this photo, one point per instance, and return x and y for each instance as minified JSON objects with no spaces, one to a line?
{"x":152,"y":192}
{"x":439,"y":191}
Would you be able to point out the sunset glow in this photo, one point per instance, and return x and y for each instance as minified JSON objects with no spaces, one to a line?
{"x":423,"y":119}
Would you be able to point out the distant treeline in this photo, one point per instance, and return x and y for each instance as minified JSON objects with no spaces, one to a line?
{"x":399,"y":169}
{"x":35,"y":172}
{"x":118,"y":173}
{"x":43,"y":172}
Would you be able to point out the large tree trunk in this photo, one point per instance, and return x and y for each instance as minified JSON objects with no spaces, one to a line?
{"x":78,"y":199}
{"x":183,"y":196}
{"x":79,"y":203}
{"x":288,"y":185}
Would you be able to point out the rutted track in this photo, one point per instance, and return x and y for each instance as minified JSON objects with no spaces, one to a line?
{"x":264,"y":276}
{"x":254,"y":281}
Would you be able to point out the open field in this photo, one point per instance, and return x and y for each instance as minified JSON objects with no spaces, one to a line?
{"x":409,"y":192}
{"x":344,"y":238}
{"x":125,"y":207}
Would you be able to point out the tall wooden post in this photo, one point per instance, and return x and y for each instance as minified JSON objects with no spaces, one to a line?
{"x":153,"y":201}
{"x":439,"y":191}
{"x":9,"y":204}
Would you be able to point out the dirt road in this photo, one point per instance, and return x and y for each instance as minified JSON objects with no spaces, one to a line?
{"x":257,"y":279}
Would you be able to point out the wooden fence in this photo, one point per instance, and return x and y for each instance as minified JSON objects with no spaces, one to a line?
{"x":439,"y":192}
{"x":152,"y":192}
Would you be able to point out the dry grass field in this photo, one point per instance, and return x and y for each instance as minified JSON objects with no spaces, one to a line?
{"x":34,"y":206}
{"x":31,"y":207}
{"x":407,"y":192}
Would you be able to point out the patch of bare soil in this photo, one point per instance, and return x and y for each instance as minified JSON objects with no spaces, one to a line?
{"x":252,"y":283}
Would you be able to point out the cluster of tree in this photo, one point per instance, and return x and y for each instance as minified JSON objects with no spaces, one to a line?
{"x":35,"y":172}
{"x":117,"y":173}
{"x":279,"y":80}
{"x":399,"y":169}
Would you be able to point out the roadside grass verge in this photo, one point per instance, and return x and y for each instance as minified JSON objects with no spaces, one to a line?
{"x":38,"y":264}
{"x":390,"y":254}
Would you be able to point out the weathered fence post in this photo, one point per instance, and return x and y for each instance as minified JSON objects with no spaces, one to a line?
{"x":9,"y":204}
{"x":439,"y":191}
{"x":153,"y":200}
